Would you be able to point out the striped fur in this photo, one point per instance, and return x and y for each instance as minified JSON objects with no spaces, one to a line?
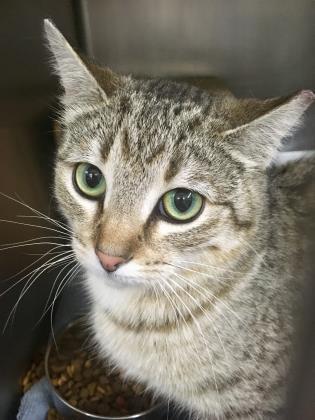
{"x":204,"y":312}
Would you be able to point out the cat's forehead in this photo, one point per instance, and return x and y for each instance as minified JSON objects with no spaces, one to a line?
{"x":149,"y":119}
{"x":153,"y":135}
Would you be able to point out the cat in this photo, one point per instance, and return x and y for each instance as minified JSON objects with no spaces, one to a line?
{"x":186,"y":231}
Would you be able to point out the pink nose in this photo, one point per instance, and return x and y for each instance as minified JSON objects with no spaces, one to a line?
{"x":109,"y":262}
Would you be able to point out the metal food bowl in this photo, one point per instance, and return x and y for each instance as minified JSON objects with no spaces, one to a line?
{"x":64,"y":408}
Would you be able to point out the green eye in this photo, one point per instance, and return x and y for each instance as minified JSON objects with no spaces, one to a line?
{"x":181,"y":205}
{"x":89,"y":180}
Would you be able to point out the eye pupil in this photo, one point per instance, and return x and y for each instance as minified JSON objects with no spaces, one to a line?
{"x":92,"y":176}
{"x":183,"y":200}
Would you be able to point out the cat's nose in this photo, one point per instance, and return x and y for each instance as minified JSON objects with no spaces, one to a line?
{"x":109,"y":262}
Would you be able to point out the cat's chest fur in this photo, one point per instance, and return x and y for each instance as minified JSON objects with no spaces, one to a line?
{"x":207,"y":362}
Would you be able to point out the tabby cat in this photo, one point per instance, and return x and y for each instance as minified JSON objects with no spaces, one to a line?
{"x":186,"y":231}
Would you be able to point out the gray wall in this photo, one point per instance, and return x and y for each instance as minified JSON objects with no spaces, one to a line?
{"x":259,"y":48}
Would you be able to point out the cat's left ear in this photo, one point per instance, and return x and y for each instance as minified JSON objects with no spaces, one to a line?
{"x":264,"y":124}
{"x":80,"y":86}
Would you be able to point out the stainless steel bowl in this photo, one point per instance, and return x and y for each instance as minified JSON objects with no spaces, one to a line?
{"x":64,"y":408}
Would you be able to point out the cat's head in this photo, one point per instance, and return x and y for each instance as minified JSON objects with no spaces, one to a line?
{"x":156,"y":177}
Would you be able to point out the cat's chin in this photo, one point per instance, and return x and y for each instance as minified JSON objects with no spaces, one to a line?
{"x":117,"y":281}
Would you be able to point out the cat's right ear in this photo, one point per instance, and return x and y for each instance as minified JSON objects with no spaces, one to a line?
{"x":80,"y":86}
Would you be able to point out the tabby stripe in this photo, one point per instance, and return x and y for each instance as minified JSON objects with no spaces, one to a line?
{"x":229,"y":383}
{"x":246,"y":224}
{"x":155,"y":153}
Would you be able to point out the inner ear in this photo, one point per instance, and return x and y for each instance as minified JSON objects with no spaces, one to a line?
{"x":105,"y":77}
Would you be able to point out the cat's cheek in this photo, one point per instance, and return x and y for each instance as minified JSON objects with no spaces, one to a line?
{"x":166,"y":228}
{"x":87,"y":258}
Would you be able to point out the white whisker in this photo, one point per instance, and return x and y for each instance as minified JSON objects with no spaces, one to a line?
{"x":35,"y":275}
{"x":212,"y":267}
{"x":203,"y":337}
{"x":44,"y":216}
{"x":29,"y":224}
{"x":47,"y":306}
{"x":60,"y":288}
{"x":258,"y":254}
{"x":168,"y":297}
{"x":177,"y":309}
{"x":191,"y":282}
{"x":29,"y":241}
{"x":27,"y":274}
{"x":33,"y":244}
{"x":65,"y":231}
{"x":207,"y":315}
{"x":197,"y":286}
{"x":209,"y":276}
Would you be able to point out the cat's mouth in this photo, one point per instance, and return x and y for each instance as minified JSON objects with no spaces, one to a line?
{"x":132,"y":275}
{"x":129,"y":273}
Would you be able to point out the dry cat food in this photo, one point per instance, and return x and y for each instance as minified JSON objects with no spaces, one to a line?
{"x":82,"y":380}
{"x":35,"y":372}
{"x":87,"y":384}
{"x":33,"y":375}
{"x":53,"y":415}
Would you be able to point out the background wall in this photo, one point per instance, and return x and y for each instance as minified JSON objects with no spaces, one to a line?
{"x":258,"y":48}
{"x":27,"y":101}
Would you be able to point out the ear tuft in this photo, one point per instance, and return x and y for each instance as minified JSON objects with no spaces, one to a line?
{"x":80,"y":86}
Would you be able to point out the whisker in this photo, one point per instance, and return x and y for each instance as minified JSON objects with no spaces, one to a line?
{"x":193,"y":284}
{"x":168,"y":297}
{"x":31,"y":281}
{"x":190,"y":281}
{"x":33,"y":244}
{"x":202,"y":335}
{"x":213,"y":267}
{"x":24,"y":269}
{"x":177,"y":309}
{"x":56,"y":280}
{"x":258,"y":254}
{"x":46,"y":308}
{"x":67,"y":232}
{"x":57,"y":264}
{"x":21,"y":202}
{"x":203,"y":311}
{"x":29,"y":224}
{"x":76,"y":269}
{"x":29,"y":240}
{"x":156,"y":293}
{"x":41,"y":253}
{"x":35,"y":275}
{"x":209,"y":276}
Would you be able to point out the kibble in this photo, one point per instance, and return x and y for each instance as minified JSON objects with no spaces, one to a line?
{"x":53,"y":415}
{"x":35,"y":373}
{"x":87,"y":384}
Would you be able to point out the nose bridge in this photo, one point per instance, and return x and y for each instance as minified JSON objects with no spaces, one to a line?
{"x":117,"y":236}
